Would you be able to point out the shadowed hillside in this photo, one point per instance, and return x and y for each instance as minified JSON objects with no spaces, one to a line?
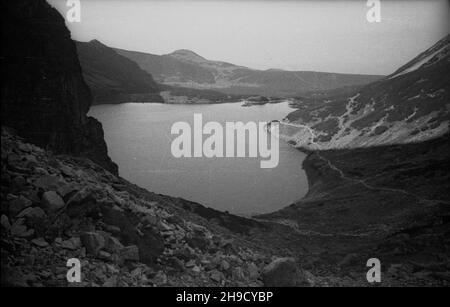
{"x":113,"y":78}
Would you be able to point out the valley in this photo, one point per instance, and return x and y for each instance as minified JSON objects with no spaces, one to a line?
{"x":363,"y":170}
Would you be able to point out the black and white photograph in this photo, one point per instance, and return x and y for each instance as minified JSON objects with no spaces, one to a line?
{"x":225,"y":144}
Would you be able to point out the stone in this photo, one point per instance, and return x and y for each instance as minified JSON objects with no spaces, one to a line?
{"x":30,"y":260}
{"x":83,"y":252}
{"x":199,"y":242}
{"x":93,"y":242}
{"x":66,"y":189}
{"x":71,"y":244}
{"x":228,"y":246}
{"x":113,"y":245}
{"x":25,"y":147}
{"x":177,"y":264}
{"x":190,"y":264}
{"x":185,"y":253}
{"x":196,"y":228}
{"x":52,"y":202}
{"x":66,"y":170}
{"x":281,"y":272}
{"x":216,"y":276}
{"x":79,"y":197}
{"x":253,"y":271}
{"x":18,"y":229}
{"x":104,"y":255}
{"x":5,"y":222}
{"x":129,"y":253}
{"x":150,"y":220}
{"x":31,"y":161}
{"x":224,"y":265}
{"x":40,"y":242}
{"x":48,"y":182}
{"x":110,"y":282}
{"x":99,"y":273}
{"x":32,"y":213}
{"x":160,"y":278}
{"x":112,"y":269}
{"x":45,"y":274}
{"x":31,"y":195}
{"x":112,"y":229}
{"x":18,"y":204}
{"x":237,"y":273}
{"x":137,"y":272}
{"x":40,"y":171}
{"x":165,"y":227}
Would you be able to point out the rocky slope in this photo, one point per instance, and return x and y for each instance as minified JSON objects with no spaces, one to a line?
{"x":410,"y":105}
{"x":187,"y":69}
{"x":43,"y":94}
{"x":57,"y":207}
{"x":58,"y":204}
{"x":113,"y":78}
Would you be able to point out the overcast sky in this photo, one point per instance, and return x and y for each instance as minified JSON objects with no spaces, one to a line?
{"x":331,"y":36}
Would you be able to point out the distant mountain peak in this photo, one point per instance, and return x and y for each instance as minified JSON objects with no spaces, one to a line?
{"x":185,"y":54}
{"x":95,"y":41}
{"x":97,"y":44}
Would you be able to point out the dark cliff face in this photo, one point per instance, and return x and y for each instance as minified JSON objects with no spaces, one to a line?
{"x":44,"y":96}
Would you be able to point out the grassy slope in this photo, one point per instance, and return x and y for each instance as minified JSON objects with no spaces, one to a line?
{"x":389,"y":202}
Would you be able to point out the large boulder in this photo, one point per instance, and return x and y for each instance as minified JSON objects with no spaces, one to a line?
{"x":33,"y":213}
{"x":52,"y":202}
{"x":93,"y":242}
{"x":282,"y":272}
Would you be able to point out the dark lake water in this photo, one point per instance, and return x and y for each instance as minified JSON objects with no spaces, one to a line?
{"x":139,"y":141}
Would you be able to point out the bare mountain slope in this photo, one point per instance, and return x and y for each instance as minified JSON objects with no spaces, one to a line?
{"x":113,"y":77}
{"x":410,"y":105}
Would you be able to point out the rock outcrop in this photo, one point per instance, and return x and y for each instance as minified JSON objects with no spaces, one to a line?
{"x":44,"y":96}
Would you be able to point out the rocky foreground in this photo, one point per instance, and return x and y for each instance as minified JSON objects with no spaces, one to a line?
{"x":59,"y":207}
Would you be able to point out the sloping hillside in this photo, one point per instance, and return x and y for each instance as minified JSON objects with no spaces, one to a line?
{"x":410,"y":105}
{"x":114,"y":78}
{"x":188,"y":69}
{"x":388,"y":202}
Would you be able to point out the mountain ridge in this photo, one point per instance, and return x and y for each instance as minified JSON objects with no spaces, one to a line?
{"x":410,"y":105}
{"x":185,"y":68}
